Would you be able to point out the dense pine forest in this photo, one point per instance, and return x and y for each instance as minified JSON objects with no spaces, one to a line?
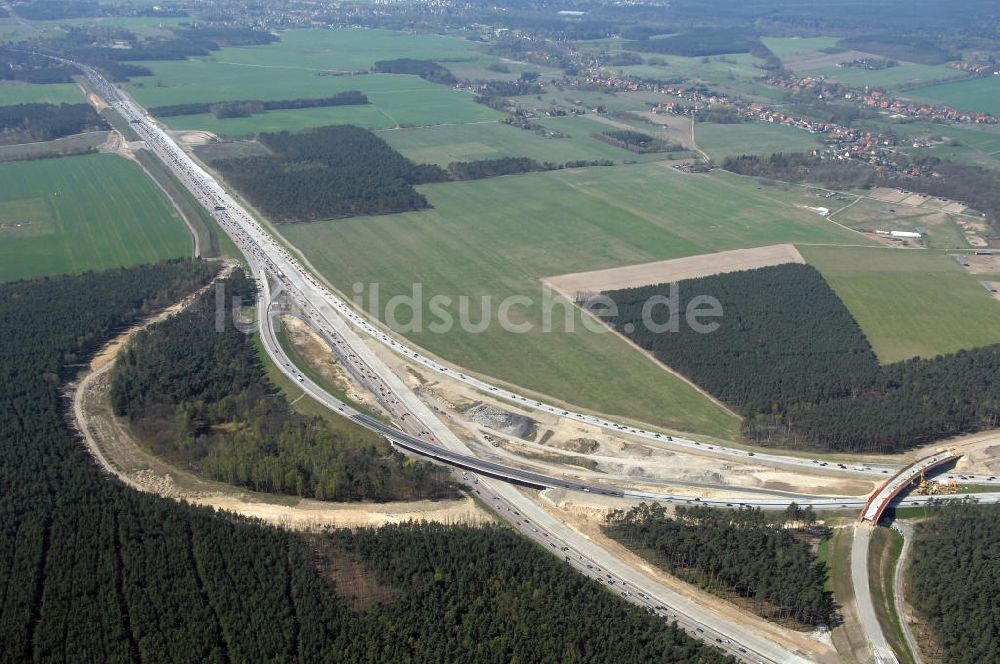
{"x":326,"y":173}
{"x":199,"y":397}
{"x":245,"y":108}
{"x":742,"y":552}
{"x":92,"y":571}
{"x":953,"y":580}
{"x":790,"y":358}
{"x":28,"y":123}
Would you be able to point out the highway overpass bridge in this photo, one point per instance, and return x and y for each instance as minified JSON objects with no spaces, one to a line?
{"x":895,"y":485}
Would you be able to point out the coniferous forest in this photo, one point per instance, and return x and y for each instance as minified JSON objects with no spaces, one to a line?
{"x":954,"y":580}
{"x":326,"y":173}
{"x":198,"y":396}
{"x":792,"y":360}
{"x":91,"y":571}
{"x":743,"y":552}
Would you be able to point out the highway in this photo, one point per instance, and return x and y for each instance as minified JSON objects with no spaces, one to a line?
{"x":278,"y":273}
{"x":275,"y":259}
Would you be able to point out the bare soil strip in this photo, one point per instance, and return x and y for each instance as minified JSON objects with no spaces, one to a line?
{"x":678,"y":269}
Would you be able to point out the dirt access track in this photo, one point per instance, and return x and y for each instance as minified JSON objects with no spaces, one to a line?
{"x":677,"y":269}
{"x":117,"y":452}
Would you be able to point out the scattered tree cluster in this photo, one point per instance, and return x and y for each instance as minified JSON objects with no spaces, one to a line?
{"x":94,"y":571}
{"x":840,"y":174}
{"x":329,"y":172}
{"x":636,"y":141}
{"x":977,"y":187}
{"x":28,"y":123}
{"x":199,"y":397}
{"x":246,"y":108}
{"x":488,"y":168}
{"x":718,"y":114}
{"x":789,"y":356}
{"x":425,"y":69}
{"x":527,"y":84}
{"x":742,"y":552}
{"x":954,"y":580}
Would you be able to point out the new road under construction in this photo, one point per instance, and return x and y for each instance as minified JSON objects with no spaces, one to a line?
{"x":412,"y":425}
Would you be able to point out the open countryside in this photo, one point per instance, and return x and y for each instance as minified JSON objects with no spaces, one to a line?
{"x":365,"y":371}
{"x":528,"y":227}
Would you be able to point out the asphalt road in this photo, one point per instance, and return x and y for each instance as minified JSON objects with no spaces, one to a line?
{"x":276,"y":259}
{"x":424,"y":431}
{"x":863,"y":598}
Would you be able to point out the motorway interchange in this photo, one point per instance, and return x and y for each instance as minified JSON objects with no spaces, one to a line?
{"x":419,"y":430}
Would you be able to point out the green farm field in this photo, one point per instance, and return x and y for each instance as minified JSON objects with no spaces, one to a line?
{"x":498,"y":237}
{"x":50,"y":93}
{"x":387,"y":110}
{"x":906,"y":74}
{"x":908,"y":302}
{"x":83,"y":213}
{"x":300,"y":66}
{"x":444,"y":144}
{"x":725,"y":140}
{"x":784,"y":47}
{"x":395,"y":100}
{"x":976,"y":94}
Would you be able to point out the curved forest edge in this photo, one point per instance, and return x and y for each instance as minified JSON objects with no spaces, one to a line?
{"x":93,"y":571}
{"x":195,"y":393}
{"x":115,"y":449}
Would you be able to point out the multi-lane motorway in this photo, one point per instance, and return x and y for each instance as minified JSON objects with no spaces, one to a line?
{"x":420,"y":430}
{"x":277,"y":260}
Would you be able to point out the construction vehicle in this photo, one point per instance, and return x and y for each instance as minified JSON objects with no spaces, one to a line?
{"x":927,"y":487}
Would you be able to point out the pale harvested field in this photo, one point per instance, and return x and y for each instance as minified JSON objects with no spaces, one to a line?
{"x":677,"y":269}
{"x":983,"y":264}
{"x":890,"y":195}
{"x":194,"y":138}
{"x":677,"y":127}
